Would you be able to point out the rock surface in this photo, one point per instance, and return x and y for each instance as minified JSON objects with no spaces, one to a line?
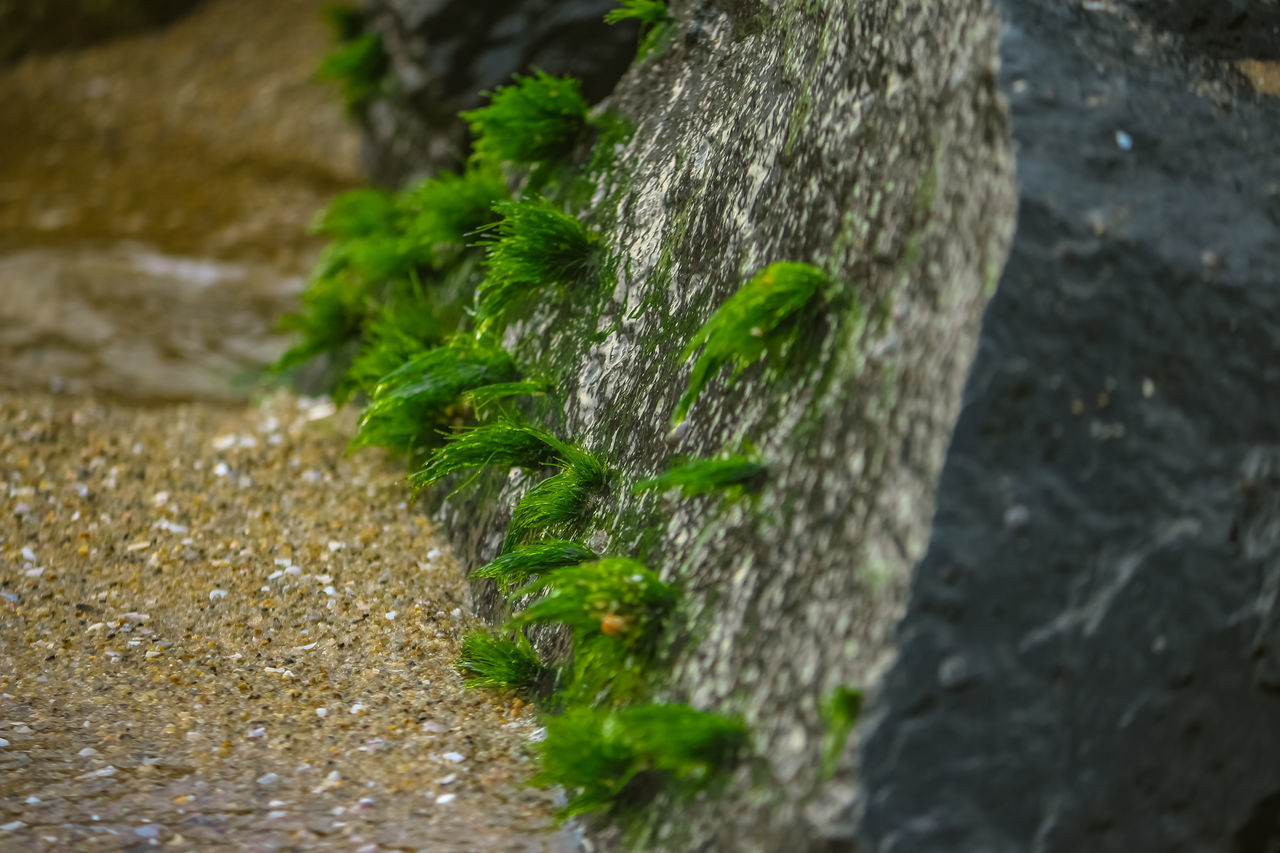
{"x":446,"y":52}
{"x":862,"y":137}
{"x":1089,"y":660}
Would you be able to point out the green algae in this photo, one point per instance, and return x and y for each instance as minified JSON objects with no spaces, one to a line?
{"x":607,"y":759}
{"x":506,"y":663}
{"x":536,"y":119}
{"x":516,"y":566}
{"x":704,"y":476}
{"x":839,"y":712}
{"x":765,"y":316}
{"x":534,"y":246}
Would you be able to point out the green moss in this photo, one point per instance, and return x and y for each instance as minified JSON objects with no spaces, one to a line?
{"x":840,"y":713}
{"x":333,"y":310}
{"x":412,"y":400}
{"x":517,"y":566}
{"x":441,"y":213}
{"x":615,"y":759}
{"x":504,"y":663}
{"x":505,"y":444}
{"x":486,"y":395}
{"x":765,"y":316}
{"x":535,"y":245}
{"x":535,"y":120}
{"x":560,"y":502}
{"x":614,"y":597}
{"x":702,"y":476}
{"x":359,"y":66}
{"x":654,"y":18}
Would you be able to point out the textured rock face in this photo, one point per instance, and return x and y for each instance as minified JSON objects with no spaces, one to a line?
{"x":865,"y":137}
{"x":1089,"y":660}
{"x":446,"y":52}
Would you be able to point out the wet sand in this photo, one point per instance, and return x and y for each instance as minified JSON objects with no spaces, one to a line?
{"x":220,"y":631}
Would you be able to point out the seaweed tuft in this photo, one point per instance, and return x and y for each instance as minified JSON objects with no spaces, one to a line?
{"x":703,"y":476}
{"x":839,"y":712}
{"x":537,"y":119}
{"x":534,"y":245}
{"x":412,"y":400}
{"x":559,"y":502}
{"x":517,"y":566}
{"x":765,"y":316}
{"x":612,"y":760}
{"x":615,"y":597}
{"x":503,"y":663}
{"x":359,"y":64}
{"x":654,"y":18}
{"x":505,"y":444}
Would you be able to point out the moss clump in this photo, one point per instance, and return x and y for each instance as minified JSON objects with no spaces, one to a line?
{"x":839,"y":713}
{"x":516,"y":566}
{"x":359,"y":64}
{"x":535,"y":120}
{"x":559,"y":502}
{"x":654,"y":18}
{"x":614,"y":597}
{"x":535,"y":245}
{"x":413,"y":399}
{"x":442,"y":212}
{"x":702,"y":476}
{"x":614,"y":759}
{"x":486,"y":395}
{"x":766,"y":315}
{"x":504,"y":663}
{"x":505,"y":444}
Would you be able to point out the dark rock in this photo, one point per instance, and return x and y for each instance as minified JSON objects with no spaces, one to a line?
{"x":1124,"y":398}
{"x":447,"y":52}
{"x":39,"y":26}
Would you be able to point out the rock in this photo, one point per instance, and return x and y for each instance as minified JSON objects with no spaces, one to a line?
{"x":1123,"y":397}
{"x":866,"y":138}
{"x":27,"y":27}
{"x":446,"y":52}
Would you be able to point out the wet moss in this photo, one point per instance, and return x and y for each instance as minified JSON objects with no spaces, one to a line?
{"x":764,"y":316}
{"x":704,"y":476}
{"x":534,"y":246}
{"x":412,"y":400}
{"x":840,"y":712}
{"x":506,"y":663}
{"x":613,"y":760}
{"x":655,"y":21}
{"x":560,"y":503}
{"x":504,"y":444}
{"x":534,"y":120}
{"x":516,"y":566}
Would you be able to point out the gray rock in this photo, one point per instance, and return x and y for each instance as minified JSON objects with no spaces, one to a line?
{"x":865,"y":137}
{"x":1123,"y":396}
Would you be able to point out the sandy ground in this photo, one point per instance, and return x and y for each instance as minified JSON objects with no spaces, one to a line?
{"x":220,"y":631}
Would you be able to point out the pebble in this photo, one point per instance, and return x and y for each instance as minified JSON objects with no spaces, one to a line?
{"x":268,"y":779}
{"x":455,"y":757}
{"x":87,"y":752}
{"x":12,"y":826}
{"x":149,"y":830}
{"x":445,"y":798}
{"x":4,"y":742}
{"x":216,"y":594}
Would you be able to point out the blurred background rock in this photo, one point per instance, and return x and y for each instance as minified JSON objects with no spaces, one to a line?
{"x":155,"y":189}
